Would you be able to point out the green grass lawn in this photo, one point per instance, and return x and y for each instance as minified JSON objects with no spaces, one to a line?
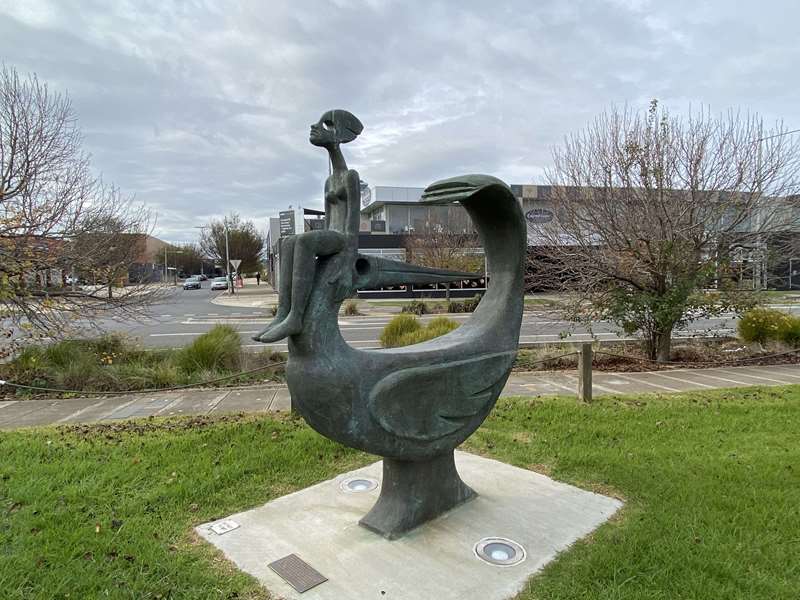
{"x":711,"y":483}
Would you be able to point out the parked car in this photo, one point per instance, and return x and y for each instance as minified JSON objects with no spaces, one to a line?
{"x":193,"y":283}
{"x":219,"y":283}
{"x":202,"y":276}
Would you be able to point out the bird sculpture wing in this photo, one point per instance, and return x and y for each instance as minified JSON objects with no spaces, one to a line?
{"x":430,"y":402}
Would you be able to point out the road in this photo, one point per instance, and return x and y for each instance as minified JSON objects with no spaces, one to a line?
{"x":188,"y":314}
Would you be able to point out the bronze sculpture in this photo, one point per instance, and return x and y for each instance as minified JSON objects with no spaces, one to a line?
{"x":412,"y":405}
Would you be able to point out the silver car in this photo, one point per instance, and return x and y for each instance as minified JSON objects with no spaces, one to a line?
{"x":219,"y":283}
{"x":192,"y":283}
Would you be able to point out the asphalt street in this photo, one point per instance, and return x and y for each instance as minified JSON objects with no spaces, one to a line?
{"x":187,"y":314}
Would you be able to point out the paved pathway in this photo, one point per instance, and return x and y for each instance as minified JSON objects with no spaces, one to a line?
{"x":272,"y":398}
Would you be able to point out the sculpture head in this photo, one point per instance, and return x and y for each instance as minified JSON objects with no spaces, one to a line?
{"x":335,"y":127}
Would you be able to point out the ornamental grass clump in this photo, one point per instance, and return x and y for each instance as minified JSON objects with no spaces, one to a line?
{"x":399,"y":326}
{"x":219,"y":349}
{"x":405,"y":330}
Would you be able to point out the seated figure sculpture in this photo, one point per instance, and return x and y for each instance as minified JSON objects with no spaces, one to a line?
{"x":412,"y":405}
{"x":299,"y":253}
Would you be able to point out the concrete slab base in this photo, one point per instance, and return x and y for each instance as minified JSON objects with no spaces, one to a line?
{"x":436,"y":561}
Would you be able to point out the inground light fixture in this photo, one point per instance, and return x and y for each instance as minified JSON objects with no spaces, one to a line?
{"x":358,"y":484}
{"x":500,"y":552}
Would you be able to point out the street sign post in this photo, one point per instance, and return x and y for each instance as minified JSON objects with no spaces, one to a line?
{"x":235,"y":262}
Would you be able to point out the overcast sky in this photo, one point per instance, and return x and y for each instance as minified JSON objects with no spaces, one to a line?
{"x":200,"y":110}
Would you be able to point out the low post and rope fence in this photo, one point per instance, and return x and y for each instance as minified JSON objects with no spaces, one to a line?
{"x":585,"y":356}
{"x":585,"y":372}
{"x":185,"y":386}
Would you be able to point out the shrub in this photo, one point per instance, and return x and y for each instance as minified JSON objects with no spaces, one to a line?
{"x":395,"y":329}
{"x":464,"y":306}
{"x":470,"y":304}
{"x":417,"y":307}
{"x":406,"y":330}
{"x":112,"y":344}
{"x":350,"y":308}
{"x":790,"y":331}
{"x":455,"y":307}
{"x":219,"y":349}
{"x":762,"y":324}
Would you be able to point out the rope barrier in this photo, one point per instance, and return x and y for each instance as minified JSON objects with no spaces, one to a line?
{"x":706,"y":362}
{"x":144,"y":391}
{"x":556,"y":357}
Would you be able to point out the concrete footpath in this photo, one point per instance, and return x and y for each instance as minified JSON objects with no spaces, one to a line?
{"x":273,"y":398}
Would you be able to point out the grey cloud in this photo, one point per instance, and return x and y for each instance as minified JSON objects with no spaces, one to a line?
{"x":199,"y":110}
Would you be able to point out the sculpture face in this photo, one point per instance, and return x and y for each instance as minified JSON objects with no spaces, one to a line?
{"x":335,"y":127}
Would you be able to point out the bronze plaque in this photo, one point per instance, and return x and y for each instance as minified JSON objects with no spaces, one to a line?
{"x":297,"y":573}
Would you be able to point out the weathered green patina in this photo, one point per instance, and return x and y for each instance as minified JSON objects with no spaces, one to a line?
{"x":412,"y":405}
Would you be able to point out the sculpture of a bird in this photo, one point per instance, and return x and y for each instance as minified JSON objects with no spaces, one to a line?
{"x":413,"y":405}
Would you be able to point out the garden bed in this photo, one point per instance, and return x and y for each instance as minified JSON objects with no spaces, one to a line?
{"x":629,"y":356}
{"x":113,"y":363}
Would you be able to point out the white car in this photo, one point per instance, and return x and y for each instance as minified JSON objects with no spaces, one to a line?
{"x":219,"y":283}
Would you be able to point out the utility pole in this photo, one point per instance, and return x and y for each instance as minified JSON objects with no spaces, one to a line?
{"x":228,"y":259}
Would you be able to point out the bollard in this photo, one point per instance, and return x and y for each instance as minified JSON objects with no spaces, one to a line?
{"x":585,"y":372}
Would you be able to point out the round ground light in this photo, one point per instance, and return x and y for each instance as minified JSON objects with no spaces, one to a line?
{"x":500,"y":552}
{"x":356,"y":485}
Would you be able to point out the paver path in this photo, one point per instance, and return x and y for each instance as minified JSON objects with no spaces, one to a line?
{"x":272,"y":398}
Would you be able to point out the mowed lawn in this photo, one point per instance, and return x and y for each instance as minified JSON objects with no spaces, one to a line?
{"x":711,"y":483}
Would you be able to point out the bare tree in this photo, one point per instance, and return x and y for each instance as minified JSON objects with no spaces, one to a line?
{"x":50,"y":207}
{"x":446,"y":243}
{"x":245,"y":243}
{"x":650,"y":208}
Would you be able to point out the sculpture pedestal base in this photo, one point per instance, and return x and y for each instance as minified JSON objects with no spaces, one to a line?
{"x":436,"y":560}
{"x":413,"y":493}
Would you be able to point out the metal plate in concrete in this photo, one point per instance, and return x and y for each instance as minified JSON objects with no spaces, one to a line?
{"x":297,"y":573}
{"x":320,"y":524}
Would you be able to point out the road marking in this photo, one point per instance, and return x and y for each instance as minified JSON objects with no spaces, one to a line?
{"x":650,"y":383}
{"x":705,"y":374}
{"x":215,"y":402}
{"x":78,"y":413}
{"x":7,"y":403}
{"x":781,"y":372}
{"x":607,"y":389}
{"x":681,"y":380}
{"x":558,"y":385}
{"x":171,"y":334}
{"x":195,"y":333}
{"x":118,"y":409}
{"x":779,"y":381}
{"x":175,"y":402}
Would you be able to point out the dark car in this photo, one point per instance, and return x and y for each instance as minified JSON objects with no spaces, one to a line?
{"x":193,"y":283}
